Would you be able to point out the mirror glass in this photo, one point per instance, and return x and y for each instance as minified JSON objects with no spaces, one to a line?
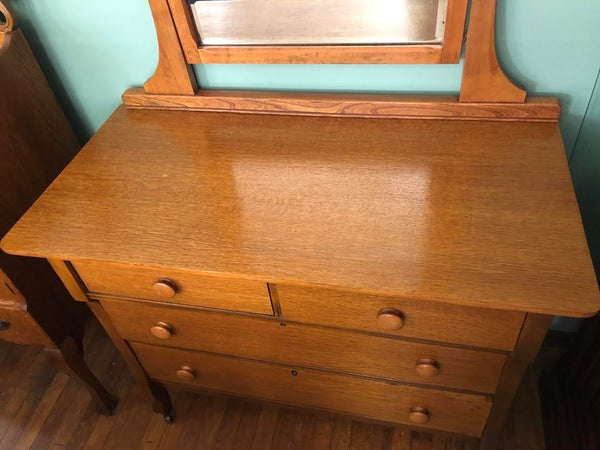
{"x":319,"y":22}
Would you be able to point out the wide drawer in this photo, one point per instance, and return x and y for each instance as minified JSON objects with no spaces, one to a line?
{"x":308,"y":346}
{"x":419,"y":319}
{"x":448,"y":411}
{"x":17,"y":325}
{"x":174,"y":286}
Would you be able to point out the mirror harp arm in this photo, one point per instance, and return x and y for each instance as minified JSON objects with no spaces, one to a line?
{"x":173,"y":74}
{"x":483,"y":79}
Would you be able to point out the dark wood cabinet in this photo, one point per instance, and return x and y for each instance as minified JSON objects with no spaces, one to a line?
{"x":36,"y":143}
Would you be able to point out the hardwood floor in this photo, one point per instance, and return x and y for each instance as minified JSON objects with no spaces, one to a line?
{"x":41,"y":408}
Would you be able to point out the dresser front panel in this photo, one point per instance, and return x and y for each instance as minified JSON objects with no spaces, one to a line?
{"x":449,"y":411}
{"x":308,"y":346}
{"x":435,"y":321}
{"x":17,"y":325}
{"x":191,"y":288}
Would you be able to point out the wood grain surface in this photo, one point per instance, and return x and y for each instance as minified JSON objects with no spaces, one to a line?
{"x":461,"y":212}
{"x":450,"y":411}
{"x":318,"y":54}
{"x":454,"y":31}
{"x":192,"y":288}
{"x":537,"y":109}
{"x":483,"y":79}
{"x":288,"y":343}
{"x":464,"y":212}
{"x":172,"y":75}
{"x":434,"y":321}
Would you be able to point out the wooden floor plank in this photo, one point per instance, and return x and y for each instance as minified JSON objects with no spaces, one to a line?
{"x":285,"y":431}
{"x":129,"y":430}
{"x":42,"y":410}
{"x":26,"y":398}
{"x":401,"y":439}
{"x":265,"y":430}
{"x":184,"y":404}
{"x":361,"y":436}
{"x":104,"y":425}
{"x":66,"y":415}
{"x":13,"y":390}
{"x":342,"y":434}
{"x":421,"y":441}
{"x":320,"y":438}
{"x":109,"y":367}
{"x":248,"y":426}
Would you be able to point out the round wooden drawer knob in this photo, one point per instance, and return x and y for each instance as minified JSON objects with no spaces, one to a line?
{"x":418,"y":415}
{"x":186,"y":373}
{"x":390,"y":319}
{"x":165,"y":288}
{"x":427,"y":367}
{"x":162,"y":330}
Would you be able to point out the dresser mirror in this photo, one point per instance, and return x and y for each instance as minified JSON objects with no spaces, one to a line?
{"x":313,"y":22}
{"x":315,"y":32}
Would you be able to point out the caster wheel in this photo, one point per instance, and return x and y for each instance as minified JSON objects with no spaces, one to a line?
{"x":168,"y":418}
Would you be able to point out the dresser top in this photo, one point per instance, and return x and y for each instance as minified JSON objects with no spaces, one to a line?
{"x":467,"y":212}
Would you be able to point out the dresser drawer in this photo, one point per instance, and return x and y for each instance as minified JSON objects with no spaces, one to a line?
{"x":174,"y":286}
{"x":434,"y":321}
{"x":308,"y":346}
{"x":448,"y":411}
{"x":17,"y":325}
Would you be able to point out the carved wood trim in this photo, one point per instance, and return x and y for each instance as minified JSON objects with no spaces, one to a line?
{"x":356,"y":105}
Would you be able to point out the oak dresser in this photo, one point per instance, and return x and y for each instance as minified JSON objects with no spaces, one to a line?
{"x":390,"y":258}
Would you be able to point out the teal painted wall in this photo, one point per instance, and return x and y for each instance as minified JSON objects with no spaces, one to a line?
{"x":585,"y":166}
{"x":585,"y":170}
{"x":91,"y":51}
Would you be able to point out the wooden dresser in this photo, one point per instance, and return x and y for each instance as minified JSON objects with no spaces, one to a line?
{"x":36,"y":143}
{"x":355,"y":254}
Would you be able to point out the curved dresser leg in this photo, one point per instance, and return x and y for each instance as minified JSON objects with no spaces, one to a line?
{"x":162,"y":402}
{"x":69,"y":358}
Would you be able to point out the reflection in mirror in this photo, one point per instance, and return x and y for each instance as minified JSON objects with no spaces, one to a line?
{"x":312,"y":22}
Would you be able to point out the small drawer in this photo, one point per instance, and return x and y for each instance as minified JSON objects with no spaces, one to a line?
{"x":343,"y":351}
{"x":174,"y":286}
{"x":441,"y":410}
{"x":17,"y":325}
{"x":418,"y":319}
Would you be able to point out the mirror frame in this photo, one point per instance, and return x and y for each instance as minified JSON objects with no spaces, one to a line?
{"x":486,"y":93}
{"x":448,"y":52}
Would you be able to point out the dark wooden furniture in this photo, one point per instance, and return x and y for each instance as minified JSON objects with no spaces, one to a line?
{"x":36,"y":143}
{"x":570,"y":393}
{"x":356,"y":254}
